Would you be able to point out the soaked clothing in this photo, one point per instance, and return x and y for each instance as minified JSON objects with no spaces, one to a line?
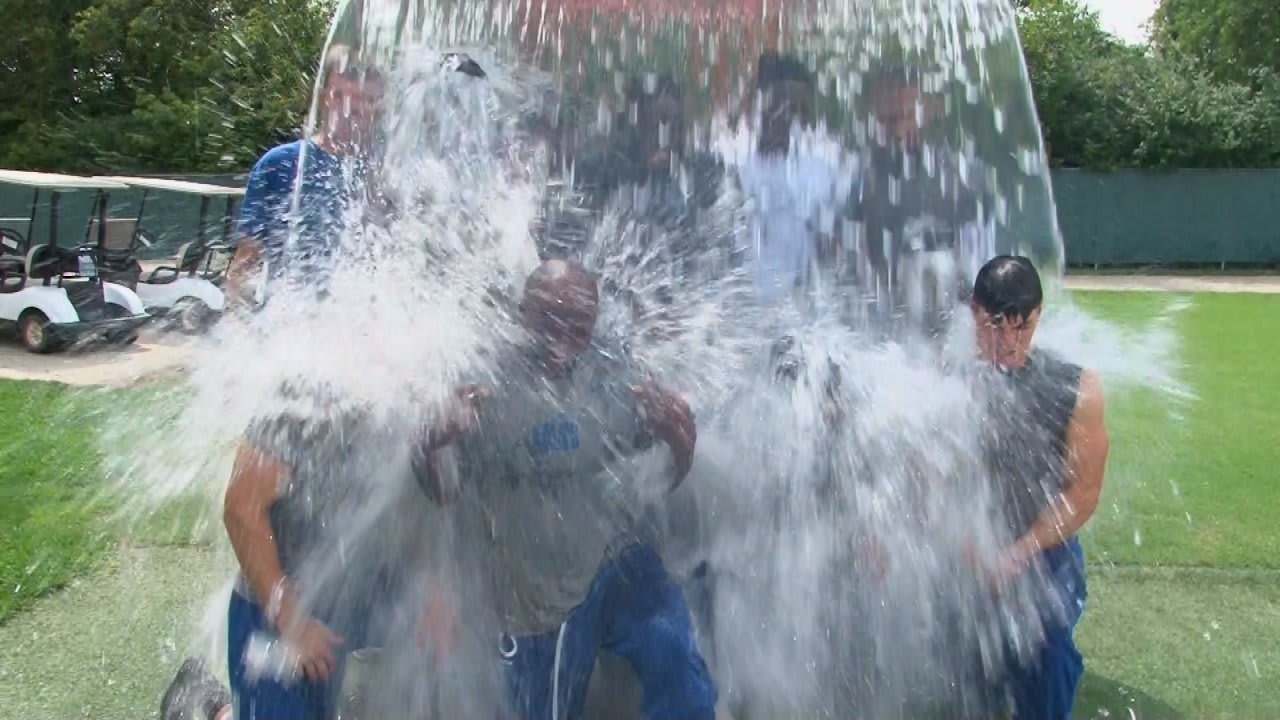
{"x":545,"y":472}
{"x":337,"y":542}
{"x":1026,"y":448}
{"x":635,"y":610}
{"x":298,"y":242}
{"x":926,"y":223}
{"x":1025,"y":440}
{"x":572,"y":568}
{"x":797,"y":198}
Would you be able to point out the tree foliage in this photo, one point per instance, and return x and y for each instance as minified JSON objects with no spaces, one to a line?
{"x":205,"y":85}
{"x":1233,"y":40}
{"x":155,"y":85}
{"x":1107,"y":104}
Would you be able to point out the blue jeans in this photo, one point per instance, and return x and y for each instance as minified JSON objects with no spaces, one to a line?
{"x":266,"y":698}
{"x":1045,"y":688}
{"x":635,"y":610}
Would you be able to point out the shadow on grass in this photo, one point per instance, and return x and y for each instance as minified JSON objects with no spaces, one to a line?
{"x":1101,"y":697}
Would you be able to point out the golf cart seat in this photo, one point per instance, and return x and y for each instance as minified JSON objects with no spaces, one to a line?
{"x":13,"y":265}
{"x":116,"y":259}
{"x":12,"y":243}
{"x":187,"y":263}
{"x":44,"y":262}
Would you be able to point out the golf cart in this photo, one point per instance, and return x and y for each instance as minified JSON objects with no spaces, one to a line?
{"x":53,"y":295}
{"x":189,"y":290}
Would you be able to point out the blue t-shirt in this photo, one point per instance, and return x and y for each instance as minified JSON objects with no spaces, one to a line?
{"x":299,"y":243}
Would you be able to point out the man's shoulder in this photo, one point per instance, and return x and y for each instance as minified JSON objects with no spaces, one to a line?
{"x":284,"y":155}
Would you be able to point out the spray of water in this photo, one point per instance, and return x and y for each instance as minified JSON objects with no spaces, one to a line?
{"x":783,"y":204}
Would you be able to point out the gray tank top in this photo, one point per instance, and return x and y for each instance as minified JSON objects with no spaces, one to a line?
{"x":1025,"y":438}
{"x":330,"y":519}
{"x":546,"y":477}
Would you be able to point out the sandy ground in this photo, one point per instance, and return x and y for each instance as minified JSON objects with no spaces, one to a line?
{"x":154,"y":355}
{"x":1177,"y":283}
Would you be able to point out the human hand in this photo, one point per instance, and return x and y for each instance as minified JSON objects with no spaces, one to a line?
{"x":998,"y":573}
{"x":670,"y":418}
{"x":870,"y":554}
{"x":460,"y":416}
{"x":438,"y":625}
{"x":314,"y":645}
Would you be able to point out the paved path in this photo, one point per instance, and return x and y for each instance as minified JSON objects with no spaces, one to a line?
{"x":1177,"y":283}
{"x":153,"y":355}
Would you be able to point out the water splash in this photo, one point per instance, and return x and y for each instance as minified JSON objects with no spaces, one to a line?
{"x":829,"y":171}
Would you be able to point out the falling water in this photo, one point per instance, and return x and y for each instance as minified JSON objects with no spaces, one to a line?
{"x":783,"y":203}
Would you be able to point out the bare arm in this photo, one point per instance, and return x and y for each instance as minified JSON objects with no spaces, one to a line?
{"x":255,"y":484}
{"x":1087,"y":447}
{"x":245,"y":263}
{"x":671,"y":420}
{"x":256,"y":480}
{"x":458,"y":419}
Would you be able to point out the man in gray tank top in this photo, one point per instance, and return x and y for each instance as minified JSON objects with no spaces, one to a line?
{"x":1046,"y":448}
{"x":543,"y":466}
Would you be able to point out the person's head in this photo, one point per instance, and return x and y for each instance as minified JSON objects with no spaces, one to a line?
{"x":658,"y":103}
{"x":1006,"y":301}
{"x":899,"y":104}
{"x":351,"y":96}
{"x":786,"y":88}
{"x":559,"y":310}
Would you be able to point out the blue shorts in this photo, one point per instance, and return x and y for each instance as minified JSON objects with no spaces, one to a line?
{"x":633,"y":609}
{"x":265,"y":698}
{"x":1045,"y":687}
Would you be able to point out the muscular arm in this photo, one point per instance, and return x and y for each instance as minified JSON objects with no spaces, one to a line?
{"x":671,"y":421}
{"x":458,"y":418}
{"x":1087,"y":446}
{"x":256,"y":479}
{"x":245,"y":263}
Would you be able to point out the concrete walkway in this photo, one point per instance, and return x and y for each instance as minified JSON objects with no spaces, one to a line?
{"x":152,"y":356}
{"x":1177,"y":283}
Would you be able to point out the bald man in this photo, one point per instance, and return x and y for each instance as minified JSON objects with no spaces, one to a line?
{"x":542,"y":464}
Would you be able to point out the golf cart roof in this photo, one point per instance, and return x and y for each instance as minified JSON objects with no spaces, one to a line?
{"x":61,"y":183}
{"x":180,"y":186}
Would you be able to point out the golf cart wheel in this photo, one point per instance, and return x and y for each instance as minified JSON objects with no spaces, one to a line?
{"x":115,"y":311}
{"x":33,"y":332}
{"x":191,"y":316}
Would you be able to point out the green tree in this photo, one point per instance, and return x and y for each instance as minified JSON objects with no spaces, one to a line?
{"x":1106,"y":104}
{"x":1232,"y":39}
{"x":168,"y":85}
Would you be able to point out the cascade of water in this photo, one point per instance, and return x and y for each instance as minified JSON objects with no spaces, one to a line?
{"x":783,"y":203}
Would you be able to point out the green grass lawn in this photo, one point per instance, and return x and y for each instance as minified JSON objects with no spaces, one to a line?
{"x":48,"y":467}
{"x":1184,"y":611}
{"x":57,"y":515}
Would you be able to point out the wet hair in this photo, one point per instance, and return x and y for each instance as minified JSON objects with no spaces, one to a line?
{"x":461,"y":62}
{"x":561,"y":272}
{"x":342,"y":61}
{"x":892,"y":75}
{"x":664,"y":85}
{"x":775,"y":69}
{"x":1008,"y":286}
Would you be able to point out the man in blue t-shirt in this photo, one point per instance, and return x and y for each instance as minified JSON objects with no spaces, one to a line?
{"x":298,"y":241}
